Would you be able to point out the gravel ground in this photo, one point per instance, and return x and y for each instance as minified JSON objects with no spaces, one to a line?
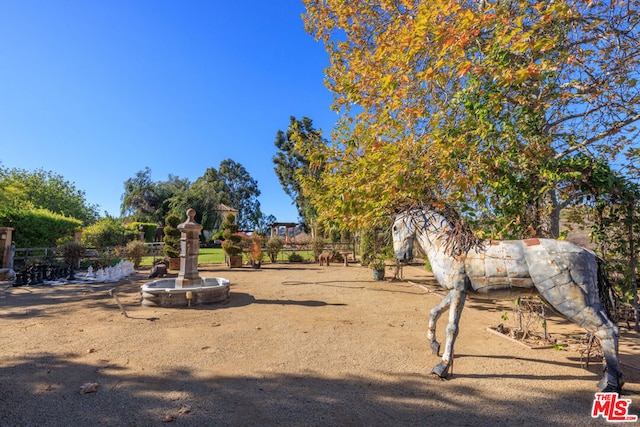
{"x":296,"y":344}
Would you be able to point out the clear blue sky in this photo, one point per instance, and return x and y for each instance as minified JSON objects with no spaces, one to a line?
{"x":98,"y":90}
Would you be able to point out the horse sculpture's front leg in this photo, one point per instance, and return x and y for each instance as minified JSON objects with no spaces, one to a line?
{"x":455,"y":299}
{"x":434,"y":315}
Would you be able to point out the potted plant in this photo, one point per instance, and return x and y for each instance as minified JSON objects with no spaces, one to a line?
{"x":231,"y":244}
{"x":256,"y":254}
{"x":171,"y":240}
{"x":377,"y":266}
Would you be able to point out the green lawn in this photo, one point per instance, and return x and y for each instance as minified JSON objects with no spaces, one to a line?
{"x":216,"y":256}
{"x":205,"y":256}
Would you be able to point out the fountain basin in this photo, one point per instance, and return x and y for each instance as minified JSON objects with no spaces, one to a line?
{"x":163,"y":293}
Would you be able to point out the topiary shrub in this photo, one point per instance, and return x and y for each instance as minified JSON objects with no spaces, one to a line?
{"x":171,"y":238}
{"x":231,"y":244}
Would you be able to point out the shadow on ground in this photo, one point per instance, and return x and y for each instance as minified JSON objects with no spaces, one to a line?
{"x":193,"y":398}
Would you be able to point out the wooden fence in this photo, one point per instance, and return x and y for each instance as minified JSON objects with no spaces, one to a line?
{"x":26,"y":256}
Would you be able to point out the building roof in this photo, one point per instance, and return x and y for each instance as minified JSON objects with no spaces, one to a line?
{"x":224,"y":208}
{"x":283,"y":224}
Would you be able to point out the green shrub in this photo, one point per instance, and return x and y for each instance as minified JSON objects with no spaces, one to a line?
{"x":105,"y":232}
{"x":107,"y":258}
{"x":135,"y":250}
{"x":295,"y":257}
{"x":274,"y":246}
{"x":171,"y":239}
{"x":148,"y":228}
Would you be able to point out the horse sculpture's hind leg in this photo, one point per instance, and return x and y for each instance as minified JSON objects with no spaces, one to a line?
{"x":612,"y":380}
{"x":455,"y":299}
{"x":569,"y":300}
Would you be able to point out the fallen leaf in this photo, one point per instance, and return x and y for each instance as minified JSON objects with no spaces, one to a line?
{"x":89,"y":387}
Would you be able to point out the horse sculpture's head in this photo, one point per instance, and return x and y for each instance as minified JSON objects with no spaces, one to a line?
{"x":404,"y":232}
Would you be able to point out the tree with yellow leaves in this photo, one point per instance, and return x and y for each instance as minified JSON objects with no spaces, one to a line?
{"x":496,"y":107}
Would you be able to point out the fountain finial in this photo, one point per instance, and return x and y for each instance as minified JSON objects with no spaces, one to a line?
{"x":191,"y":214}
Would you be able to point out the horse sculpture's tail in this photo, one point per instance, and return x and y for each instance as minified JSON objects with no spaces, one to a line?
{"x":606,"y":292}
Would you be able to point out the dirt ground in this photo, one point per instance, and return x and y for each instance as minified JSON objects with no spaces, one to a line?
{"x":296,"y":344}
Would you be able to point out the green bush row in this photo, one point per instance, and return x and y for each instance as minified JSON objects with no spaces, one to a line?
{"x":148,"y":228}
{"x":37,"y":228}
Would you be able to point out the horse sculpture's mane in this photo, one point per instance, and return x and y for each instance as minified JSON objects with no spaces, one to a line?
{"x":460,"y":239}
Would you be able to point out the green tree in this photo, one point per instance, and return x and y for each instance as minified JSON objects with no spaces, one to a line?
{"x":139,"y":200}
{"x":45,"y":190}
{"x":289,"y":163}
{"x":201,"y":196}
{"x":231,"y":184}
{"x":240,"y":191}
{"x":146,"y":200}
{"x":263,"y":224}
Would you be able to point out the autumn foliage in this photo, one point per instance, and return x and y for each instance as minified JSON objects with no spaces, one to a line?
{"x":478,"y":104}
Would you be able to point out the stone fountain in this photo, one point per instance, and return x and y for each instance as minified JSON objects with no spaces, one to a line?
{"x":188,"y":288}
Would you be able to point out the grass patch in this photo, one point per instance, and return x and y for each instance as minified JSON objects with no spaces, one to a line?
{"x":205,"y":256}
{"x":211,"y":256}
{"x":216,"y":256}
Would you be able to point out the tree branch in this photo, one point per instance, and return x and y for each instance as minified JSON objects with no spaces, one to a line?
{"x":614,"y":129}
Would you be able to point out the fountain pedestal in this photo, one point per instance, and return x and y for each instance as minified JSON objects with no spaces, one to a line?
{"x":189,"y":246}
{"x":188,"y":288}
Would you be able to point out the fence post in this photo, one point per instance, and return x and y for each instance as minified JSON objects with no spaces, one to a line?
{"x":6,"y":261}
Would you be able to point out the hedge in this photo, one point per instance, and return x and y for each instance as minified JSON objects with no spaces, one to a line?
{"x":37,"y":228}
{"x":149,"y":229}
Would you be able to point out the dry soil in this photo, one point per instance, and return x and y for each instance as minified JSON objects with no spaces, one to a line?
{"x":296,"y":344}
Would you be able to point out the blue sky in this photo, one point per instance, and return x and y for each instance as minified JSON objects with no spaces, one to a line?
{"x":98,"y":90}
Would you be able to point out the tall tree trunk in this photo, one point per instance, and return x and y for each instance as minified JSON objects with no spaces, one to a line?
{"x":633,"y":265}
{"x":548,"y":216}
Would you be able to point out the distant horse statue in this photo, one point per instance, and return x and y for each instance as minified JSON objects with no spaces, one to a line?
{"x":566,"y":276}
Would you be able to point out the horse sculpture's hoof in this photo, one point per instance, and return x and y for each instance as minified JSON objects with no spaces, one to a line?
{"x":441,"y":370}
{"x":610,"y":388}
{"x":609,"y":384}
{"x":435,"y":348}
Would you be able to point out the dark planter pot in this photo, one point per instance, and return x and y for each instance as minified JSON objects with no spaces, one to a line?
{"x":378,"y":274}
{"x":174,"y":263}
{"x":235,"y":261}
{"x":255,"y":264}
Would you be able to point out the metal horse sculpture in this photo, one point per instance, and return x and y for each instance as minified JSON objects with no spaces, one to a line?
{"x":566,"y":276}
